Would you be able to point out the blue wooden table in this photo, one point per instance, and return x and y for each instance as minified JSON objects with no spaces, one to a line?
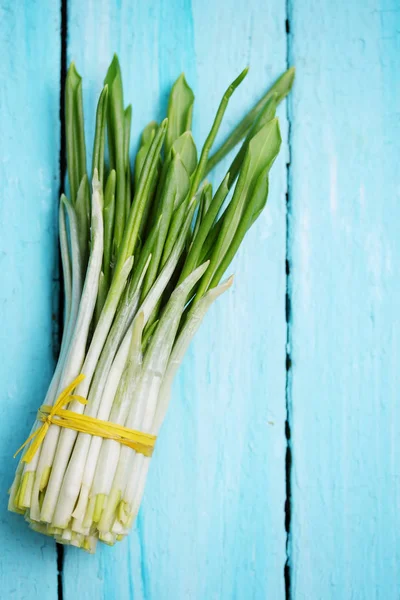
{"x":285,"y":424}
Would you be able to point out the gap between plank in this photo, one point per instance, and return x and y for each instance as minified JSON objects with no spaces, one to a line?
{"x":62,"y":173}
{"x":288,"y":457}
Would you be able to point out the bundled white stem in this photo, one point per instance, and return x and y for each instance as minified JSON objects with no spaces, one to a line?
{"x":66,"y":263}
{"x":74,"y":484}
{"x":77,"y":347}
{"x":73,"y":475}
{"x":133,"y":494}
{"x":115,"y":373}
{"x":73,"y":294}
{"x":127,"y":328}
{"x":68,"y":436}
{"x":73,"y":274}
{"x":144,"y":403}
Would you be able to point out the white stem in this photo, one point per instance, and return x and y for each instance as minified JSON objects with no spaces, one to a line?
{"x":136,"y":482}
{"x":77,"y":473}
{"x":115,"y":374}
{"x":73,"y":475}
{"x":66,"y":262}
{"x":73,"y":296}
{"x":68,"y":437}
{"x":117,"y":399}
{"x":141,"y":414}
{"x":76,"y":353}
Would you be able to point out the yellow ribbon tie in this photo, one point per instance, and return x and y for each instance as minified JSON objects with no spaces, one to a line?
{"x":55,"y":415}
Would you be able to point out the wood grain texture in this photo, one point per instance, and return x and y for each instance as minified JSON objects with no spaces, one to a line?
{"x":29,"y":125}
{"x":212,"y":521}
{"x":344,"y":253}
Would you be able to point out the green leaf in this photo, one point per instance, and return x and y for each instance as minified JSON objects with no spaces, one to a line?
{"x":262,"y":150}
{"x":251,"y":213}
{"x":201,"y":167}
{"x":127,"y":139}
{"x":100,"y":135}
{"x":230,"y":222}
{"x":147,"y":334}
{"x":101,"y":297}
{"x":109,"y":213}
{"x":147,"y":137}
{"x":186,"y":148}
{"x":281,"y":88}
{"x":182,"y":182}
{"x":177,"y":221}
{"x":180,"y":108}
{"x":74,"y":131}
{"x":80,"y":147}
{"x":142,"y":196}
{"x":116,"y":122}
{"x":210,"y":241}
{"x":127,"y":132}
{"x":82,"y":209}
{"x":205,"y":201}
{"x":176,"y":186}
{"x":259,"y":157}
{"x":195,"y":251}
{"x":144,"y":254}
{"x":266,"y":115}
{"x":148,"y":133}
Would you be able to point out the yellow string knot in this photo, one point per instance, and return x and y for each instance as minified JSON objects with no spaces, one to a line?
{"x":56,"y":415}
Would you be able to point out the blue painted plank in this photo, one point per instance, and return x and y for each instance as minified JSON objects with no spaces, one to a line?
{"x":344,"y":245}
{"x":212,"y":521}
{"x":29,"y":125}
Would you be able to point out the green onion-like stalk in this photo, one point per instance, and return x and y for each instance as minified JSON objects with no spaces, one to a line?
{"x":143,"y":247}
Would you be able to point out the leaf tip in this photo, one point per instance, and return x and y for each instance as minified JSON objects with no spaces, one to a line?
{"x":229,"y":281}
{"x":239,"y":79}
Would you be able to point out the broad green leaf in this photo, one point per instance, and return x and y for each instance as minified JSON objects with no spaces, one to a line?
{"x":251,"y":213}
{"x":182,"y":181}
{"x":186,"y":148}
{"x":259,"y":156}
{"x":180,"y":107}
{"x":195,"y":251}
{"x":258,"y":200}
{"x":74,"y":130}
{"x":148,"y":133}
{"x":262,"y":151}
{"x":266,"y":115}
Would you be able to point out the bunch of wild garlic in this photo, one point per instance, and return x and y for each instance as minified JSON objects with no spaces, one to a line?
{"x":143,"y":249}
